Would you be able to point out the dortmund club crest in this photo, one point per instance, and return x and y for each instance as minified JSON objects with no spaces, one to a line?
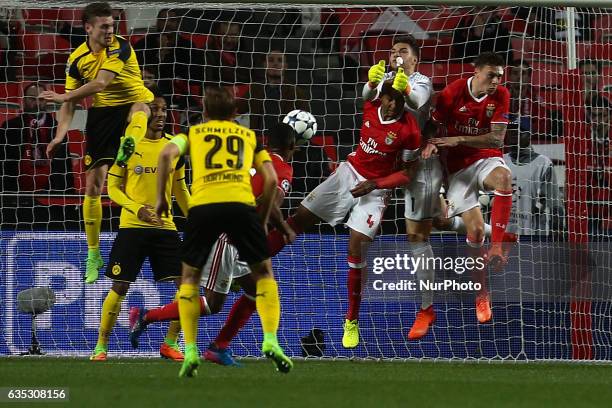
{"x":390,"y":138}
{"x":490,"y":110}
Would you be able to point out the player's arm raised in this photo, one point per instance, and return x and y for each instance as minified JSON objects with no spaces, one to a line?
{"x":177,"y":147}
{"x":419,"y":93}
{"x":97,"y":85}
{"x":375,"y":75}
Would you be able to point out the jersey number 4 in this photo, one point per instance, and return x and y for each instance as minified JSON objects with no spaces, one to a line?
{"x":234,"y":146}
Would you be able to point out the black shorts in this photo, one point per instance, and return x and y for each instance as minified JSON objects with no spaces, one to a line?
{"x":239,"y":221}
{"x":103,"y":131}
{"x":133,"y":245}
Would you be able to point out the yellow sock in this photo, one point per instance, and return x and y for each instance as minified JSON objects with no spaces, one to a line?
{"x":189,"y":311}
{"x":268,"y":305}
{"x":110,"y":311}
{"x":92,"y":215}
{"x":174,"y":328}
{"x":137,"y":127}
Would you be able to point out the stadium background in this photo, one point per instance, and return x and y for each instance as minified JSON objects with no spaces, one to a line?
{"x":40,"y":231}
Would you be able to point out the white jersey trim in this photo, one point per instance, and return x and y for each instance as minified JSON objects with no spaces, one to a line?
{"x":469,"y":87}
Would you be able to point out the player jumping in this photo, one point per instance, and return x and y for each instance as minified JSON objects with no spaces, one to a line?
{"x":104,"y":66}
{"x":222,"y":153}
{"x":387,"y":133}
{"x":421,"y":202}
{"x":142,"y":234}
{"x":474,"y":114}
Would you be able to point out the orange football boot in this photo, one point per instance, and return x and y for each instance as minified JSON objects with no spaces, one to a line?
{"x":424,"y":319}
{"x":171,"y":353}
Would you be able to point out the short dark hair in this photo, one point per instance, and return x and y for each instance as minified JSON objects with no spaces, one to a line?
{"x":219,"y":103}
{"x":411,"y":41}
{"x":281,"y":136}
{"x":96,"y":10}
{"x":387,"y":89}
{"x":489,"y":58}
{"x":155,"y":91}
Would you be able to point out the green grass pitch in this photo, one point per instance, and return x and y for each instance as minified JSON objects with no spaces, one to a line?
{"x":153,"y":383}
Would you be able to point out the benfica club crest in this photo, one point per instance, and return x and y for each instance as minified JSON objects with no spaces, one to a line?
{"x":390,"y":138}
{"x":490,"y":110}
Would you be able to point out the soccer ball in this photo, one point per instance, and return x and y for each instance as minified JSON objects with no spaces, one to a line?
{"x":304,"y":124}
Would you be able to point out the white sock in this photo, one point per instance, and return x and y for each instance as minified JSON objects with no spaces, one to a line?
{"x":458,"y":225}
{"x":423,"y":273}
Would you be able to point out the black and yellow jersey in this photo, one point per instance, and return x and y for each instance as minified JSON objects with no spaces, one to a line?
{"x":119,"y":57}
{"x":139,"y":181}
{"x":222,"y":153}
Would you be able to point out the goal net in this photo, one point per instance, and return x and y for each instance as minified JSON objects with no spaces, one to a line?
{"x":551,"y":302}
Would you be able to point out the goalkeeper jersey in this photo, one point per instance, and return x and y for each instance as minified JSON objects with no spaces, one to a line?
{"x":119,"y":57}
{"x":139,"y":181}
{"x":222,"y":154}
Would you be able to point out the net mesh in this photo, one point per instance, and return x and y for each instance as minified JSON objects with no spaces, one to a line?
{"x":321,"y":54}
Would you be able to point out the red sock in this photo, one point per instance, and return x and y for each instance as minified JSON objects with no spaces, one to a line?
{"x":354,"y":287}
{"x":170,"y":312}
{"x":167,"y":312}
{"x":477,"y":250}
{"x":240,"y":313}
{"x":276,"y":240}
{"x":500,"y":214}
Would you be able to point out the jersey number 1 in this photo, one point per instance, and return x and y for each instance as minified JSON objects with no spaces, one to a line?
{"x":234,"y":146}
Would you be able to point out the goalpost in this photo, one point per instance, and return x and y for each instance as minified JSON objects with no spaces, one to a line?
{"x":552,"y":302}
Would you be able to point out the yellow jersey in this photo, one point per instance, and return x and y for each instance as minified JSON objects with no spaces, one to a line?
{"x":222,"y":153}
{"x":139,"y":182}
{"x":119,"y":57}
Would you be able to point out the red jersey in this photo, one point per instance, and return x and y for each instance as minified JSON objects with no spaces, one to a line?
{"x":383,"y":142}
{"x":466,"y":115}
{"x":284,"y":171}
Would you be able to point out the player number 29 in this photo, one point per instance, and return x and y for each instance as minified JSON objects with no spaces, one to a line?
{"x":234,"y":146}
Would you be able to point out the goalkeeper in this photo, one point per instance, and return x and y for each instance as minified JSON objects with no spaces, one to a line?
{"x":222,"y":153}
{"x":104,"y":66}
{"x":142,"y":234}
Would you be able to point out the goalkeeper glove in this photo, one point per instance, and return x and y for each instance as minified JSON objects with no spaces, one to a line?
{"x":376,"y":73}
{"x":400,"y":82}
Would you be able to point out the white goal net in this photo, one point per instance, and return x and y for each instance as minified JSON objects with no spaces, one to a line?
{"x":553,"y":301}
